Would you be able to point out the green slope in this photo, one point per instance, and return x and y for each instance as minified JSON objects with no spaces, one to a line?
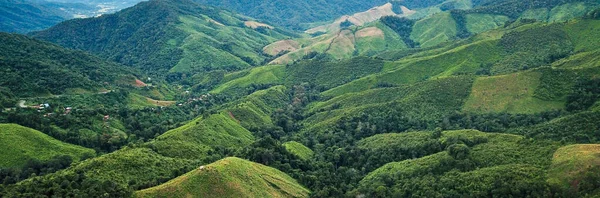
{"x":229,"y":177}
{"x":182,"y":37}
{"x":298,"y":149}
{"x":493,"y":164}
{"x":434,"y":30}
{"x":20,"y":144}
{"x":575,"y":168}
{"x":513,"y":93}
{"x":33,"y":68}
{"x":149,"y":164}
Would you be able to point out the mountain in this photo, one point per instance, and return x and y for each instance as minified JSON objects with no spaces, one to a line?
{"x":32,"y":67}
{"x":295,"y":14}
{"x":229,"y":178}
{"x":21,"y":144}
{"x":434,"y":98}
{"x":405,"y":25}
{"x":182,"y":36}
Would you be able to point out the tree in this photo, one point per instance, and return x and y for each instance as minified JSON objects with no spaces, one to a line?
{"x":458,"y":151}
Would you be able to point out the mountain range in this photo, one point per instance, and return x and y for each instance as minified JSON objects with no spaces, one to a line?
{"x":412,"y":98}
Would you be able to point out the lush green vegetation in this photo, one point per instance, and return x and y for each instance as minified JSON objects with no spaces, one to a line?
{"x":20,"y":144}
{"x":32,"y":68}
{"x":229,"y":178}
{"x":476,"y":112}
{"x":574,"y":169}
{"x":298,"y":149}
{"x":183,"y":38}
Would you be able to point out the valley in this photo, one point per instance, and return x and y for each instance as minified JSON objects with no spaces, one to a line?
{"x":193,"y":98}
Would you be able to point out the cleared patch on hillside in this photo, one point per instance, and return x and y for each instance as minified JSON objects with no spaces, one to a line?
{"x":18,"y":144}
{"x":342,"y":45}
{"x":358,"y":19}
{"x":370,"y":32}
{"x":512,"y":93}
{"x":274,"y":49}
{"x":255,"y":25}
{"x":229,"y":177}
{"x":298,"y":149}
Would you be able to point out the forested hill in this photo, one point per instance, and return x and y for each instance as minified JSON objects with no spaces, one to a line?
{"x":159,"y":36}
{"x":30,"y":67}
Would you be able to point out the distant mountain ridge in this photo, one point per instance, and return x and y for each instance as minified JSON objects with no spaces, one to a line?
{"x":23,"y":16}
{"x":295,"y":14}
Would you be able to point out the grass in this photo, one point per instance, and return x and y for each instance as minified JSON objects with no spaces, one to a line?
{"x":512,"y":93}
{"x":478,"y":23}
{"x":406,"y":141}
{"x":580,"y":60}
{"x":229,"y":177}
{"x":19,"y":144}
{"x":571,"y":162}
{"x":137,"y":101}
{"x":583,"y":34}
{"x":298,"y":149}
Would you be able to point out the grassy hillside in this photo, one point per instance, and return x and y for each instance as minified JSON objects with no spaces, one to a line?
{"x":183,"y":37}
{"x":434,"y":30}
{"x":575,"y":168}
{"x":515,"y":95}
{"x":20,"y":144}
{"x":229,"y":177}
{"x":34,"y":68}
